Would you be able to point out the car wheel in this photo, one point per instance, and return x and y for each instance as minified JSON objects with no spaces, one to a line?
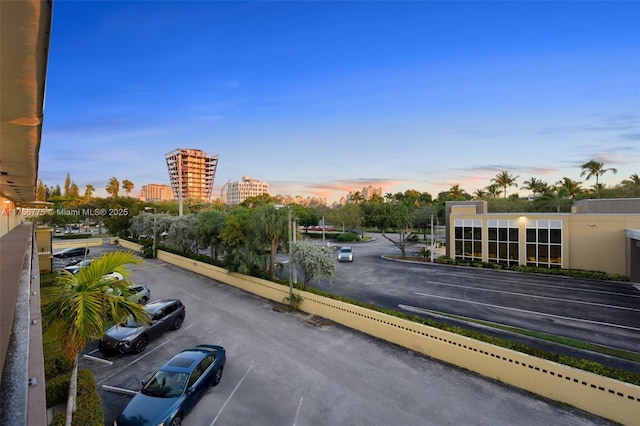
{"x":140,"y":344}
{"x":217,"y":376}
{"x":177,"y":420}
{"x":177,"y":323}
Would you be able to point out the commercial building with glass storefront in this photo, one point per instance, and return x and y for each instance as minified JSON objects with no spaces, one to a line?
{"x":598,"y":235}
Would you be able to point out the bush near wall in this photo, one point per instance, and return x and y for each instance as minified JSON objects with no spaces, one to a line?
{"x":55,"y":362}
{"x":575,"y":273}
{"x":88,"y":405}
{"x":195,"y":256}
{"x":75,"y":236}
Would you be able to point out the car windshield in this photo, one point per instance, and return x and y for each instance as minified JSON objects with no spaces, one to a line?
{"x":130,"y":322}
{"x":345,"y":250}
{"x":165,"y":384}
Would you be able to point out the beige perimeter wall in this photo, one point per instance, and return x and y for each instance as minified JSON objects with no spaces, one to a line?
{"x":608,"y":398}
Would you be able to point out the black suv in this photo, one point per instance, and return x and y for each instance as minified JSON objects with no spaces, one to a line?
{"x":133,"y":337}
{"x":71,"y":252}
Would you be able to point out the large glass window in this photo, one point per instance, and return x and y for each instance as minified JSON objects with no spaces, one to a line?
{"x":503,"y":241}
{"x":468,"y":239}
{"x":544,"y":243}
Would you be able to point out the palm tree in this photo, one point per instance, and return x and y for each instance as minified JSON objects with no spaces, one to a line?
{"x":633,"y":184}
{"x":505,"y":180}
{"x":89,"y":189}
{"x":84,"y":305}
{"x":388,"y":197}
{"x":456,"y":193}
{"x":493,"y":190}
{"x":356,"y":197}
{"x":569,"y":188}
{"x":535,"y":185}
{"x":595,"y":168}
{"x":113,"y":187}
{"x":127,"y":185}
{"x":480,"y":193}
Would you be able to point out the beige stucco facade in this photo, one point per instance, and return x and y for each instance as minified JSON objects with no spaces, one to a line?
{"x":589,"y":241}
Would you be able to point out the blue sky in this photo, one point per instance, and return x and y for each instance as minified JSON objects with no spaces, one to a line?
{"x":319,"y":98}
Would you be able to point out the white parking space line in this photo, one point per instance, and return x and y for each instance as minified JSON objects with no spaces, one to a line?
{"x":132,"y":362}
{"x":561,"y":287}
{"x":215,"y":419}
{"x":295,"y":419}
{"x":119,"y":390}
{"x":97,"y":359}
{"x":601,"y":305}
{"x":529,"y":312}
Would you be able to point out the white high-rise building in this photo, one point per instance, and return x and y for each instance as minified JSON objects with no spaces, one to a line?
{"x":239,"y":191}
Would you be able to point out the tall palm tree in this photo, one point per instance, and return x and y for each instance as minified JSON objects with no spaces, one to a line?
{"x":632,"y":184}
{"x":535,"y":185}
{"x":505,"y":180}
{"x":493,"y":190}
{"x":356,"y":197}
{"x":127,"y":185}
{"x":89,"y":189}
{"x":569,"y":188}
{"x":113,"y":187}
{"x":595,"y":168}
{"x":84,"y":305}
{"x":456,"y":193}
{"x":480,"y":193}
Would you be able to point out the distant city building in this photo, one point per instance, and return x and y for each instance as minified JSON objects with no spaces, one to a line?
{"x":370,"y":191}
{"x":156,"y":192}
{"x":191,"y":173}
{"x":239,"y":191}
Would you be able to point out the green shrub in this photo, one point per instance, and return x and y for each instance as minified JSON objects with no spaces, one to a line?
{"x":445,"y":260}
{"x":413,"y":238}
{"x":347,"y":237}
{"x":57,"y":390}
{"x":49,"y":280}
{"x":55,"y":362}
{"x":88,"y":405}
{"x":74,"y":236}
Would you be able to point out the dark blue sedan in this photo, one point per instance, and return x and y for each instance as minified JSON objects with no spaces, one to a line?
{"x":175,"y":388}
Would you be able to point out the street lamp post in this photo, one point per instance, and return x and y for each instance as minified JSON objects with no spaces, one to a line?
{"x":278,"y":207}
{"x":153,"y":247}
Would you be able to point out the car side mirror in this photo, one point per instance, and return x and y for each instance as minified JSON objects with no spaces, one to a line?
{"x":190,"y":390}
{"x":143,"y":382}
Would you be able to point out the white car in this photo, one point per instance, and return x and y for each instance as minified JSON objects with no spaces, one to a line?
{"x":345,"y":254}
{"x":113,"y":276}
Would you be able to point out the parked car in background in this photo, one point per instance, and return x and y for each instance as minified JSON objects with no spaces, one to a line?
{"x":71,"y":252}
{"x":132,"y":336}
{"x":345,"y":254}
{"x":74,"y":267}
{"x":141,"y":293}
{"x":175,"y":388}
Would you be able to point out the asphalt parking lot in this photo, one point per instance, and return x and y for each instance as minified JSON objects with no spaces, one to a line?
{"x":286,"y":369}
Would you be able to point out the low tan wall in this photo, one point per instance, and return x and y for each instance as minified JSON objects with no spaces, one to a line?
{"x":126,"y":244}
{"x":602,"y":396}
{"x":89,"y":242}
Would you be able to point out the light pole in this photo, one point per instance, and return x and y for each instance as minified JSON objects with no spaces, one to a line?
{"x":278,"y":207}
{"x":153,"y":248}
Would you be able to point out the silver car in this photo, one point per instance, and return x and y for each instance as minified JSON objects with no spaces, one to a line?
{"x":345,"y":254}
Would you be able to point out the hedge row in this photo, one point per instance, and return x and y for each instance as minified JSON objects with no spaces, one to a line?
{"x":88,"y":405}
{"x":575,"y":273}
